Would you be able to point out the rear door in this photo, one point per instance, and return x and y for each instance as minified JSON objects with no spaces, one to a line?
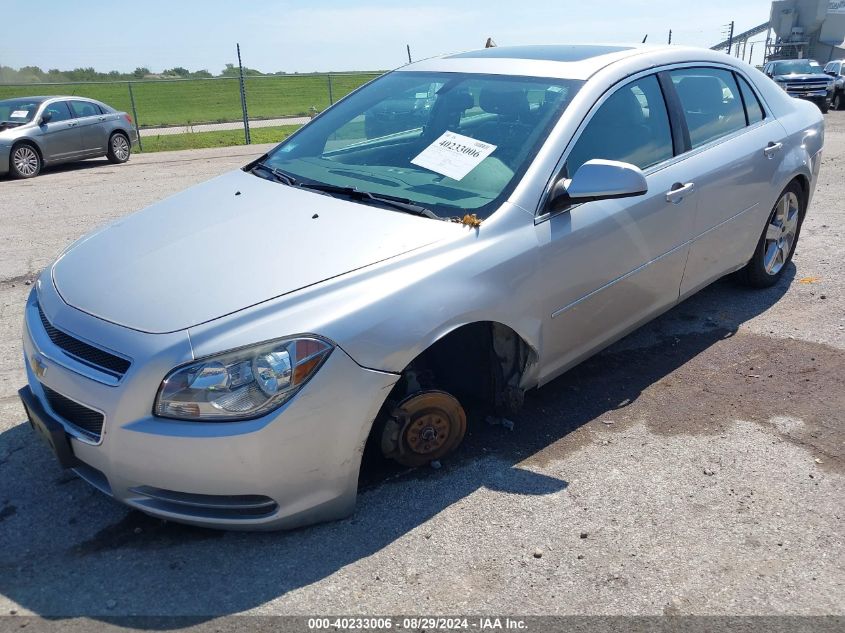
{"x":609,"y":265}
{"x":735,"y":151}
{"x":60,"y":139}
{"x":91,"y":123}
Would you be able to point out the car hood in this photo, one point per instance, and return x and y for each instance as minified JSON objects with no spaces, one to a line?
{"x":225,"y":245}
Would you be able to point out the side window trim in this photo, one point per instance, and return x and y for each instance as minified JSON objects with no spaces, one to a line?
{"x":680,"y":132}
{"x":740,"y":80}
{"x":753,"y":88}
{"x":73,"y":116}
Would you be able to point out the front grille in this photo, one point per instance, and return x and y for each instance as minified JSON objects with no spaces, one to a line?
{"x":814,"y":84}
{"x":85,"y":420}
{"x":83,"y":352}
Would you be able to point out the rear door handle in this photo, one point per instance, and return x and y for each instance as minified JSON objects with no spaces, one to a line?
{"x":679,"y":191}
{"x":771,"y":149}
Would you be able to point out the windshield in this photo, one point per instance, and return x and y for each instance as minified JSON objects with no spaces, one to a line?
{"x":18,"y":110}
{"x":453,"y":143}
{"x":797,"y":67}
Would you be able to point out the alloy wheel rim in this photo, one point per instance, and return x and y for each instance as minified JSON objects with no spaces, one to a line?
{"x":120,"y":147}
{"x":26,"y":161}
{"x":780,"y":233}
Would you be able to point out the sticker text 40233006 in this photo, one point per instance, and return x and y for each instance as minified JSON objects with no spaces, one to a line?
{"x":453,"y":155}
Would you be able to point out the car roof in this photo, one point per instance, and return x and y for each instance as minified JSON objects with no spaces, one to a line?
{"x":566,"y":61}
{"x":43,"y":98}
{"x":546,"y":52}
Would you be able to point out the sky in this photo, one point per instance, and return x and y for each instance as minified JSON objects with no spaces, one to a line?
{"x":332,"y":35}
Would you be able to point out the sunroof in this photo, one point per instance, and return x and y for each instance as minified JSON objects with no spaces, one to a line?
{"x":554,"y":53}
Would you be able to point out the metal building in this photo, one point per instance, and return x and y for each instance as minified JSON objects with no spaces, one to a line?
{"x":807,"y":29}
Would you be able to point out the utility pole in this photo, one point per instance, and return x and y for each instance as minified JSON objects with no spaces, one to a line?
{"x":731,"y":37}
{"x":751,"y":53}
{"x":670,"y":36}
{"x":408,"y":47}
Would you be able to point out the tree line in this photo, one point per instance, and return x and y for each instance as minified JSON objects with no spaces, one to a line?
{"x":34,"y":74}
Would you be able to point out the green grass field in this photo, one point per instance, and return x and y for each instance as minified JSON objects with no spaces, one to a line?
{"x":171,"y":102}
{"x":225,"y":138}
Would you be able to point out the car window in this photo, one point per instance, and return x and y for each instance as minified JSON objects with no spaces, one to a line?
{"x":59,"y":110}
{"x":711,"y":103}
{"x":84,"y":108}
{"x":631,"y":126}
{"x":752,"y":104}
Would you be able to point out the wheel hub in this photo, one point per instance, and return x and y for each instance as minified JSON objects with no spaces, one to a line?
{"x":424,"y":427}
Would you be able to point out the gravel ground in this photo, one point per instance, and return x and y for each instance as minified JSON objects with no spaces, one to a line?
{"x":696,"y":467}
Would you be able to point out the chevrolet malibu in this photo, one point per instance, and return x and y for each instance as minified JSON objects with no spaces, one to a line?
{"x":223,"y":357}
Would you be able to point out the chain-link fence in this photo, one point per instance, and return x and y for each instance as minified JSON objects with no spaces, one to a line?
{"x":167,"y":107}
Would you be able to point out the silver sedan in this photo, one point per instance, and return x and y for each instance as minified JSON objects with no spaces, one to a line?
{"x":413,"y":260}
{"x":39,"y":131}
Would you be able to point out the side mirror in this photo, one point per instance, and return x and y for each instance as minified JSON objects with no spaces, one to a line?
{"x":46,"y":117}
{"x":598,"y":179}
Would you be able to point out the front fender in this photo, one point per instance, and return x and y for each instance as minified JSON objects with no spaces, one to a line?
{"x":386,"y":315}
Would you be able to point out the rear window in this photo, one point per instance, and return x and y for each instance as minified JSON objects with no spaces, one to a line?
{"x":84,"y":109}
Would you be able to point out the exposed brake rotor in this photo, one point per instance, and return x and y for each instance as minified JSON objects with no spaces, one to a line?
{"x":424,"y":427}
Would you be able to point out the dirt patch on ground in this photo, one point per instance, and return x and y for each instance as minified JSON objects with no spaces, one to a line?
{"x":700,"y":383}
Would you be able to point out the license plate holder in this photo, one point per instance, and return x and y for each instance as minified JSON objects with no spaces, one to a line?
{"x":48,"y":429}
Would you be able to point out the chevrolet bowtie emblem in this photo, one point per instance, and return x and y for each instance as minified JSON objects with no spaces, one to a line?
{"x":38,"y":366}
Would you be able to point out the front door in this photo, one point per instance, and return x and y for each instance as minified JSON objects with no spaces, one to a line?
{"x":612,"y":264}
{"x":60,"y":139}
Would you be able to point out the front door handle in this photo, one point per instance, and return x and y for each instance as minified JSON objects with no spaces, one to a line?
{"x":772,"y":148}
{"x":679,"y":191}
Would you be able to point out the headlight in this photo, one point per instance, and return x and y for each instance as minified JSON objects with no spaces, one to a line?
{"x":241,"y":384}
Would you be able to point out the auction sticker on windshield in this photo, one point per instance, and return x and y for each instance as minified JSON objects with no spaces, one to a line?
{"x":19,"y":114}
{"x":453,"y":155}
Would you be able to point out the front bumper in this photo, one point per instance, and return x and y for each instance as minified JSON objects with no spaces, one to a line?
{"x":811,"y":95}
{"x":296,"y":466}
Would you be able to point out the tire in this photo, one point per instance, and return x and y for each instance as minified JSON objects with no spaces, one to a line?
{"x":824,"y":107}
{"x":25,"y":161}
{"x":838,"y":102}
{"x":119,"y":148}
{"x":777,"y":243}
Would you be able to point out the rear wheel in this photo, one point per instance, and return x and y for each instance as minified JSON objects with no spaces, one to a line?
{"x":838,"y":102}
{"x":424,"y":427}
{"x":777,"y":243}
{"x":25,"y":161}
{"x":119,"y":148}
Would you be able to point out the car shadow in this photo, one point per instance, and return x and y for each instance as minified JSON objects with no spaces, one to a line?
{"x":60,"y":561}
{"x":89,"y":163}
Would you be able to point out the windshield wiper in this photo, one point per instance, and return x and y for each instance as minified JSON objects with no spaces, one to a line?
{"x":395,"y":202}
{"x":278,"y":174}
